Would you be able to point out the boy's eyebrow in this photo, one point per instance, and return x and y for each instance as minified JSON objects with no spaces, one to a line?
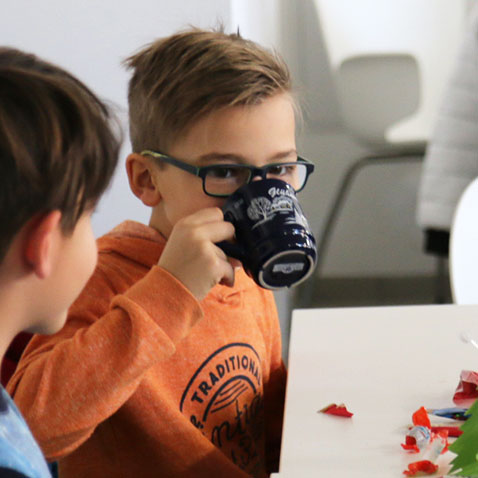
{"x":237,"y":158}
{"x":284,"y":154}
{"x":224,"y":157}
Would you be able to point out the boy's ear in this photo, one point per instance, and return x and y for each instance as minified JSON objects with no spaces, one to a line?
{"x":40,"y":244}
{"x":141,"y":181}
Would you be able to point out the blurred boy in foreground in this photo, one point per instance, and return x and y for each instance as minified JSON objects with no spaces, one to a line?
{"x":57,"y":155}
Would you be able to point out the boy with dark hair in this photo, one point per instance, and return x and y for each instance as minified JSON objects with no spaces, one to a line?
{"x":170,"y":361}
{"x":57,"y":155}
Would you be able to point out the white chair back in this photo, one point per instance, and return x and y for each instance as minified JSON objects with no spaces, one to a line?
{"x":464,"y":248}
{"x":428,"y":30}
{"x":376,"y":91}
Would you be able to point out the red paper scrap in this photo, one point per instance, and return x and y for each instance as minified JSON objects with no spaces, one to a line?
{"x":338,"y":410}
{"x":417,"y":438}
{"x":452,"y":431}
{"x":422,"y":421}
{"x":410,"y":444}
{"x":467,"y":389}
{"x":424,"y":466}
{"x":420,"y":417}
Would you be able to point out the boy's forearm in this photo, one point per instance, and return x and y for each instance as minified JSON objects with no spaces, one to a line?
{"x":67,"y":384}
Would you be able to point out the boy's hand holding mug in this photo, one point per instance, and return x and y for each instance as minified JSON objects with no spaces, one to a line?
{"x":192,"y":256}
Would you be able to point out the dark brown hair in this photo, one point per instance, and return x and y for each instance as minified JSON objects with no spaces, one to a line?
{"x":57,"y":148}
{"x":179,"y":79}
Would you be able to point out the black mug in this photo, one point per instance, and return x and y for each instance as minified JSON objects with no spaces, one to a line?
{"x":273,"y":239}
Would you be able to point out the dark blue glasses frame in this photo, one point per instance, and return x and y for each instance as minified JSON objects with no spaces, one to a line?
{"x":203,"y":171}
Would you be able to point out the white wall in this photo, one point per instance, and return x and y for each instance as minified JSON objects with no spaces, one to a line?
{"x":91,"y":38}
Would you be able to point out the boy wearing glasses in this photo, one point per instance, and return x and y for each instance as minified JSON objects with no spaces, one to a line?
{"x":170,"y":362}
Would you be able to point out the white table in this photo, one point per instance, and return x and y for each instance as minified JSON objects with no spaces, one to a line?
{"x":384,"y":363}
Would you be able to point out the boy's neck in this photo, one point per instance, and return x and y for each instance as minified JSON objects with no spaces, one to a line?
{"x":14,"y":303}
{"x":9,"y":320}
{"x":158,"y":223}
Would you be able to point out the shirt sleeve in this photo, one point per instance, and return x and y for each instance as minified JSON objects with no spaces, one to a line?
{"x":68,"y":383}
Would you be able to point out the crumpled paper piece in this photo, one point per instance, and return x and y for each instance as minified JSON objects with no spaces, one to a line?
{"x":338,"y":410}
{"x":421,"y":439}
{"x":467,"y":389}
{"x":422,"y":466}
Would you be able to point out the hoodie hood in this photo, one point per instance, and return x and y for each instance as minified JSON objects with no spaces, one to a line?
{"x":135,"y":241}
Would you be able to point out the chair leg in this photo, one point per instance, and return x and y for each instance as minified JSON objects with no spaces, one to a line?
{"x":441,"y":283}
{"x":309,"y":286}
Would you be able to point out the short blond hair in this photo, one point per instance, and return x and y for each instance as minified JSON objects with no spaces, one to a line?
{"x":179,"y":79}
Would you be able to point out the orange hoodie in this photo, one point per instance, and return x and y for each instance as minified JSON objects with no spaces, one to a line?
{"x":146,"y":381}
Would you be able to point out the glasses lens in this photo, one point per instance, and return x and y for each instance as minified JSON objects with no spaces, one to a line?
{"x":224,"y":180}
{"x":293,"y":173}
